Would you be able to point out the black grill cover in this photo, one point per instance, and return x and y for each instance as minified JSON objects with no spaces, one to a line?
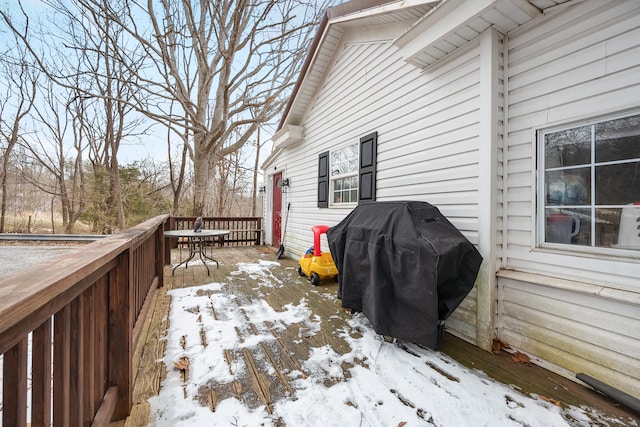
{"x":405,"y":266}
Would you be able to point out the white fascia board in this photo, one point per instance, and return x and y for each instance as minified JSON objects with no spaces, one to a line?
{"x":438,"y":23}
{"x":380,"y":10}
{"x":287,"y":136}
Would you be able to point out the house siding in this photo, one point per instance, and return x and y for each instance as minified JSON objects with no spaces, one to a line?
{"x":461,"y":134}
{"x":428,"y":124}
{"x":579,"y":63}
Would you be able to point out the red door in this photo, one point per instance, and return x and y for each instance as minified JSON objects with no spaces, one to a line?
{"x":277,"y":209}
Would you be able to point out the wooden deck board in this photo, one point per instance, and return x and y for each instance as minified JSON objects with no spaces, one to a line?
{"x":265,"y":380}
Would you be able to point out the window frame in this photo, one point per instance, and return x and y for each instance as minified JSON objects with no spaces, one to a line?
{"x":333,"y":179}
{"x":541,"y":171}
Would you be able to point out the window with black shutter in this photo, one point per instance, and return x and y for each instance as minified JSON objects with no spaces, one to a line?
{"x":367,"y":170}
{"x":347,"y":175}
{"x":323,"y":180}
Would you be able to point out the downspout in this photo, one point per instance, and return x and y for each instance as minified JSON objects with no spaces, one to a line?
{"x":486,"y":281}
{"x":505,"y":150}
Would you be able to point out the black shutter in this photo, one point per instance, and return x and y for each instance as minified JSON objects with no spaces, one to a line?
{"x":323,"y":180}
{"x":367,"y":172}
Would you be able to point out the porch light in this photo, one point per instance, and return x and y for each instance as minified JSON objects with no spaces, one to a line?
{"x":285,"y":185}
{"x":262,"y":189}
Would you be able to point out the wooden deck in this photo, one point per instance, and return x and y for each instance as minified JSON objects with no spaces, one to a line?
{"x":261,"y":388}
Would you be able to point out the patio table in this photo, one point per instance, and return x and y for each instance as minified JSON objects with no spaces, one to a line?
{"x":196,"y":241}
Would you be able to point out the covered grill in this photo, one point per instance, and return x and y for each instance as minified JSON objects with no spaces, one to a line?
{"x":405,"y":266}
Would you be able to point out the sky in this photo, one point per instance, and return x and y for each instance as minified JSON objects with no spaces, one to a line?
{"x":153,"y":145}
{"x":437,"y":390}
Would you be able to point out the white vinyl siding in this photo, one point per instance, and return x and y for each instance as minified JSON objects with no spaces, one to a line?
{"x":446,"y":138}
{"x":559,"y":74}
{"x":428,"y":136}
{"x":572,"y":309}
{"x":422,"y":155}
{"x":431,"y":153}
{"x":578,"y":331}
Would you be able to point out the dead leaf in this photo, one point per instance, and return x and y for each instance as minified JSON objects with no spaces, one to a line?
{"x":520,"y":357}
{"x":499,"y":345}
{"x":550,"y":400}
{"x":402,"y":423}
{"x":182,"y":364}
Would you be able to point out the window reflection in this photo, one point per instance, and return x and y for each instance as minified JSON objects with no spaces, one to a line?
{"x":344,"y":174}
{"x":591,"y":184}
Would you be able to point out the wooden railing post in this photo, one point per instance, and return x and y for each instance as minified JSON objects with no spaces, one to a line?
{"x":169,"y":225}
{"x":61,"y":366}
{"x":88,"y":354}
{"x":160,"y":255}
{"x":119,"y":340}
{"x":15,"y":384}
{"x":41,"y":383}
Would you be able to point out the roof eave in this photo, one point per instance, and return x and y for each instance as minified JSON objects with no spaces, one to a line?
{"x":436,"y":34}
{"x":353,"y":9}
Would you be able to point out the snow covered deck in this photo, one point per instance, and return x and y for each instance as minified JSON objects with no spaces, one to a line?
{"x":256,"y":344}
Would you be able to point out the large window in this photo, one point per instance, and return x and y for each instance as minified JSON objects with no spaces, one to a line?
{"x":590,"y":185}
{"x":344,"y":175}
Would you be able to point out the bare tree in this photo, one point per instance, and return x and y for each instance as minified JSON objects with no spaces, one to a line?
{"x":16,"y":101}
{"x":97,"y":41}
{"x":256,"y":164}
{"x":25,"y":201}
{"x":58,"y":119}
{"x":78,"y":52}
{"x":231,"y":181}
{"x":178,"y":170}
{"x":212,"y":68}
{"x":229,"y":64}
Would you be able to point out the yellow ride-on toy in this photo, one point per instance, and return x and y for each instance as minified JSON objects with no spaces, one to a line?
{"x":315,"y":264}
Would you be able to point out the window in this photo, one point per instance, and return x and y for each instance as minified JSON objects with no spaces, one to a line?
{"x":590,"y":188}
{"x":348,"y":175}
{"x":344,"y":175}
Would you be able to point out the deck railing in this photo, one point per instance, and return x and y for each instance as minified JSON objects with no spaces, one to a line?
{"x":243,"y":231}
{"x":72,"y":324}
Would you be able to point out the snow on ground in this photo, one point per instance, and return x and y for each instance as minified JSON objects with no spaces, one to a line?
{"x":389,"y":384}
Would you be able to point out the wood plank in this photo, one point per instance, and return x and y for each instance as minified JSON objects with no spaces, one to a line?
{"x":87,"y":354}
{"x":64,"y":289}
{"x":105,"y":411}
{"x":61,"y":363}
{"x":101,"y":325}
{"x":119,"y":336}
{"x":142,"y":315}
{"x":259,"y":381}
{"x":76,"y":369}
{"x":41,"y":375}
{"x":14,"y":385}
{"x":265,"y":379}
{"x":25,"y":308}
{"x":530,"y":379}
{"x":151,"y":348}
